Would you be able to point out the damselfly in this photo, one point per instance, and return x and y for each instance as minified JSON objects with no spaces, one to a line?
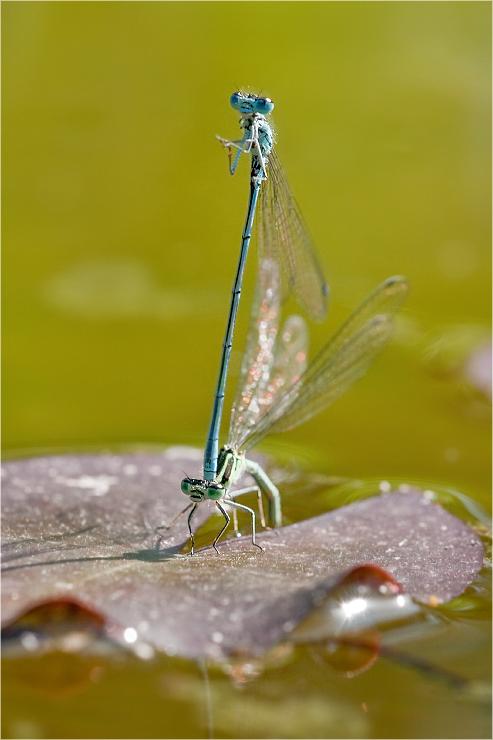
{"x":276,"y":389}
{"x":281,"y":235}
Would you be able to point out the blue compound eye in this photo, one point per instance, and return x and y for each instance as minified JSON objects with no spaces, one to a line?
{"x":236,"y":100}
{"x":264,"y":105}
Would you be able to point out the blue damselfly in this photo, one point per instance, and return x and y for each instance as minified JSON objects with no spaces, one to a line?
{"x":281,"y":236}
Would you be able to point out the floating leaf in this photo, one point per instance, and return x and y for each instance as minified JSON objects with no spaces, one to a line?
{"x":84,"y":528}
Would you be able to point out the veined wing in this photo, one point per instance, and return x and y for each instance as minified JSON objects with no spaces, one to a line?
{"x":258,"y":356}
{"x":283,"y":236}
{"x":344,"y":359}
{"x":289,"y":365}
{"x":271,"y":360}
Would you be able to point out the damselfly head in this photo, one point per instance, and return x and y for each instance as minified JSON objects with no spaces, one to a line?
{"x":248,"y":104}
{"x":201,"y":490}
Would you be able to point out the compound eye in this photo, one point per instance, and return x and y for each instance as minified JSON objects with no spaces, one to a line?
{"x":236,"y":100}
{"x":264,"y":105}
{"x":185,"y":486}
{"x":215,"y":491}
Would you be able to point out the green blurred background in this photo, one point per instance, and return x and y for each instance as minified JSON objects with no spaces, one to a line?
{"x":121,"y":224}
{"x":121,"y":232}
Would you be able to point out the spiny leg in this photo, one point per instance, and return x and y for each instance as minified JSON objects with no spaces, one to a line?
{"x":263,"y":175}
{"x":190,"y":527}
{"x":231,"y":496}
{"x":226,"y":516}
{"x":241,"y":150}
{"x":240,"y":491}
{"x":170,"y":525}
{"x":252,"y":514}
{"x":236,"y":143}
{"x":261,"y":507}
{"x":270,"y":490}
{"x":243,"y":145}
{"x":254,"y":143}
{"x":178,"y":516}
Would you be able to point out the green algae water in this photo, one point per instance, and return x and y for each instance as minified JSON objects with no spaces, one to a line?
{"x":121,"y":227}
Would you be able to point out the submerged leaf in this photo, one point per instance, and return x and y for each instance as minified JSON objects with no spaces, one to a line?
{"x":84,"y":527}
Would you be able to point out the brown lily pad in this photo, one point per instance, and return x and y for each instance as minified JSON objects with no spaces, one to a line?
{"x":84,"y":527}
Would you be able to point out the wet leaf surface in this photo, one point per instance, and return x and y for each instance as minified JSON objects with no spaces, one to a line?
{"x":84,"y":527}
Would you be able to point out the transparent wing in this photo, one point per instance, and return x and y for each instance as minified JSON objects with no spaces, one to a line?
{"x":258,"y":357}
{"x":270,"y":361}
{"x":283,"y":236}
{"x":290,"y":360}
{"x":344,"y":359}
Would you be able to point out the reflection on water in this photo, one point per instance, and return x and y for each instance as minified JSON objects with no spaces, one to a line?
{"x":461,"y":354}
{"x":119,"y":289}
{"x":458,"y":503}
{"x":457,"y":260}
